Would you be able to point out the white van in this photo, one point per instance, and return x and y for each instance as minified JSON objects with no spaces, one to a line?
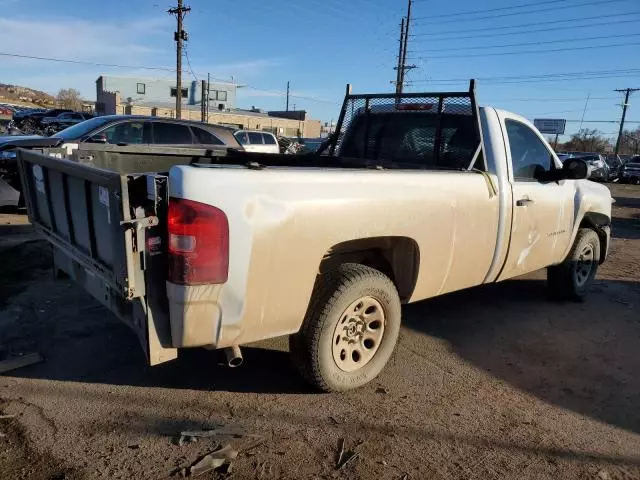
{"x":256,"y":141}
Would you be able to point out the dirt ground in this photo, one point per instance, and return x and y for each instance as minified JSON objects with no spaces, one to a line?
{"x":494,"y":382}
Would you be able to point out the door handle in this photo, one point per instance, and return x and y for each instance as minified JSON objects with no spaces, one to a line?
{"x":523,"y":202}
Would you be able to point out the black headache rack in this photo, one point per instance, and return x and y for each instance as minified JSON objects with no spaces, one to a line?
{"x":439,"y":130}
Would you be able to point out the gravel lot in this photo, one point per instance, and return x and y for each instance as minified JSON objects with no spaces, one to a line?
{"x":494,"y":382}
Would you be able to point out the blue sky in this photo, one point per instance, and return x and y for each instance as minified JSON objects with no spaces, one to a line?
{"x":320,"y":45}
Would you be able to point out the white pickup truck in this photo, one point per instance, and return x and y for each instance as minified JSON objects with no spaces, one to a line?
{"x":419,"y":195}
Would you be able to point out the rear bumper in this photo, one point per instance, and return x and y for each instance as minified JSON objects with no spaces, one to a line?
{"x":196,"y":317}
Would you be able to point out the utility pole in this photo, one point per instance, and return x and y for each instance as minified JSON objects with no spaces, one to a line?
{"x":399,"y":67}
{"x":208,"y":93}
{"x":402,"y":67}
{"x":179,"y":36}
{"x":203,"y":101}
{"x":287,"y":95}
{"x":406,"y":43}
{"x":628,"y":92}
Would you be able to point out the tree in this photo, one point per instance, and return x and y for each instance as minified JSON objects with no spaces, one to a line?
{"x":586,"y":140}
{"x":630,"y":142}
{"x":69,"y":98}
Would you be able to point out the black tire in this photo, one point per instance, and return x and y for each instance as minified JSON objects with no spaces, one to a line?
{"x":572,"y":279}
{"x":312,"y":348}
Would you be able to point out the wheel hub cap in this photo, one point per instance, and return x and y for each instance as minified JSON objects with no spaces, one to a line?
{"x":358,"y":334}
{"x":584,"y":265}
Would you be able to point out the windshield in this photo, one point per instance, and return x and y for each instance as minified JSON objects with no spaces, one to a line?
{"x":79,"y":130}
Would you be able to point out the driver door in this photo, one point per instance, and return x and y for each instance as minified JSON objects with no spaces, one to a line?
{"x":543,"y":212}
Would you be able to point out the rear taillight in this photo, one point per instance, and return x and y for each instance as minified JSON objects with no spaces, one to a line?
{"x":198,"y":243}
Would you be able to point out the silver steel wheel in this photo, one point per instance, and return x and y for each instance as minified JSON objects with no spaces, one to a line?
{"x":584,"y":264}
{"x":358,"y":334}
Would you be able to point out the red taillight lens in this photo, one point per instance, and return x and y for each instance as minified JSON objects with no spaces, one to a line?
{"x":198,"y":243}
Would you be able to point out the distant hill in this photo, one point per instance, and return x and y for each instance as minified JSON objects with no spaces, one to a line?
{"x":16,"y":93}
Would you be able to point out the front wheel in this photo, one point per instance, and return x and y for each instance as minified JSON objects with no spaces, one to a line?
{"x":350,"y":329}
{"x":572,"y":278}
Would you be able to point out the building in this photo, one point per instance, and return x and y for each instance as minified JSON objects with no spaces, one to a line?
{"x":139,"y":96}
{"x":162,"y":92}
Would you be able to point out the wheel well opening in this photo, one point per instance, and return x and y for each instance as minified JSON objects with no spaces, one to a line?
{"x":595,"y":222}
{"x":396,"y":257}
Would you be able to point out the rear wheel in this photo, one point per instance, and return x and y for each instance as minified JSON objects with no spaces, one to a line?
{"x":573,"y":277}
{"x":350,"y":329}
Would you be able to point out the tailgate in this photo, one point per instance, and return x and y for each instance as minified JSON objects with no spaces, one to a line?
{"x":99,"y":237}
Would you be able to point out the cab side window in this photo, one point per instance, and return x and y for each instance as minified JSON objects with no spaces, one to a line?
{"x":529,"y":155}
{"x":171,"y":134}
{"x":125,"y":132}
{"x":268,"y":139}
{"x":206,"y":138}
{"x":255,"y":138}
{"x":241,"y":137}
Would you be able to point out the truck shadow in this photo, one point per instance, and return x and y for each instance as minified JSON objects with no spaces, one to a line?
{"x":580,"y":356}
{"x":628,"y":228}
{"x":629,"y":202}
{"x":110,"y":354}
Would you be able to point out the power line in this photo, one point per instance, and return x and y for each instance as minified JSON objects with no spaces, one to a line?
{"x":527,"y":52}
{"x":497,"y":82}
{"x":144,"y":67}
{"x":521,"y":32}
{"x":486,"y":10}
{"x":600,"y":121}
{"x":502,"y":15}
{"x":186,"y":54}
{"x":530,"y":24}
{"x":540,"y":77}
{"x":546,"y":99}
{"x":83,"y":62}
{"x":522,"y":44}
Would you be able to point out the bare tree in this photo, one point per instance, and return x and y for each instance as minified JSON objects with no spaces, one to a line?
{"x":630,"y":142}
{"x":69,"y":98}
{"x":586,"y":140}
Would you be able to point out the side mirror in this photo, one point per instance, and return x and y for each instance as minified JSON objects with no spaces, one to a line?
{"x":575,"y":169}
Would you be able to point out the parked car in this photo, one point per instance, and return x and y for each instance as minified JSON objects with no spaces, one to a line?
{"x":257,"y":141}
{"x":311,"y":145}
{"x":111,"y":129}
{"x":6,"y":113}
{"x":599,"y":168}
{"x":615,"y":164}
{"x":37,"y":116}
{"x":66,"y":119}
{"x":631,"y":171}
{"x":419,"y":200}
{"x":27,"y":112}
